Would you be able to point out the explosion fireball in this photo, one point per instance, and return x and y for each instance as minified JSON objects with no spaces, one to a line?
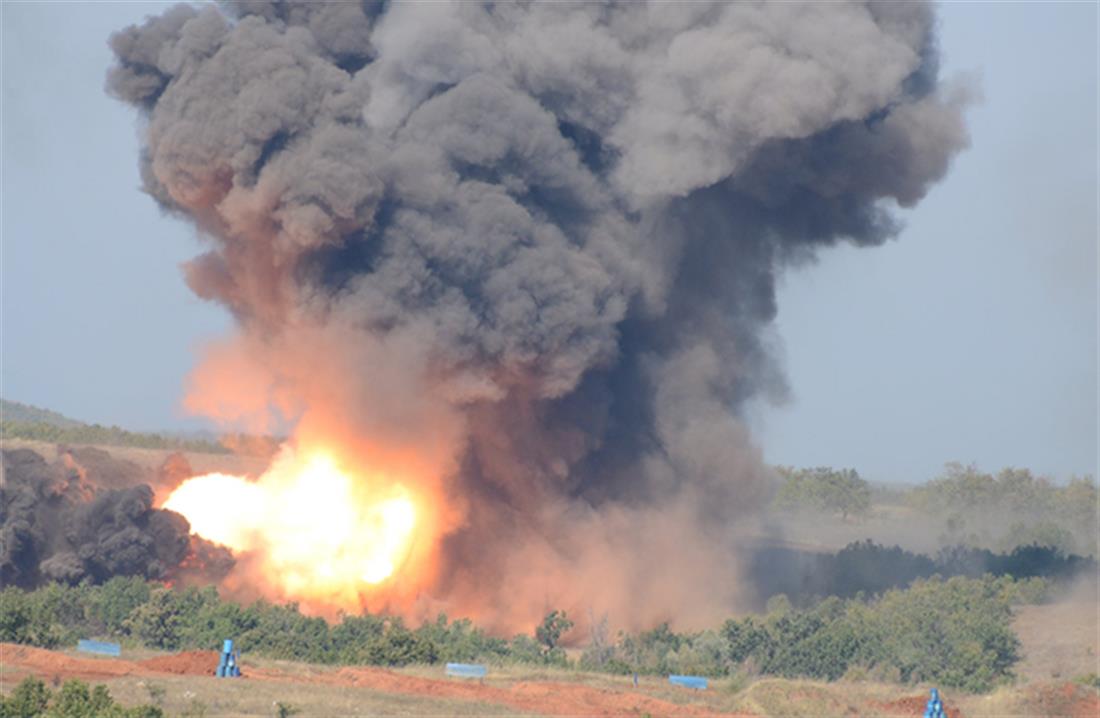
{"x":324,"y":536}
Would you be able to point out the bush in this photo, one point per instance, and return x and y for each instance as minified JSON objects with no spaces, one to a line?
{"x":157,"y":622}
{"x":525,"y":649}
{"x":1090,"y":680}
{"x":42,"y":618}
{"x":31,"y":699}
{"x":114,"y":601}
{"x":955,"y":632}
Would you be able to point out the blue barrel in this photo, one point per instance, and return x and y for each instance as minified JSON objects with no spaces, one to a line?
{"x":229,"y":662}
{"x":934,"y":709}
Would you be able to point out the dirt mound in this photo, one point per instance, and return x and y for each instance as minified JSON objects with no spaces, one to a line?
{"x":191,"y":663}
{"x":915,"y":705}
{"x":48,"y":664}
{"x":40,"y":662}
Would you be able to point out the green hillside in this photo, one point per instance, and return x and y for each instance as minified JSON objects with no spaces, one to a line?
{"x":22,"y":421}
{"x":27,"y":414}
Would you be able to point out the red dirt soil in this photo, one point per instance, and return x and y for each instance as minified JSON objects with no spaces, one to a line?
{"x":1068,"y":700}
{"x":22,"y":660}
{"x":914,"y":706}
{"x":545,"y":697}
{"x":190,"y":663}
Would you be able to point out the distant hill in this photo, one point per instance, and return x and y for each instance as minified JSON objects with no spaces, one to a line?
{"x":22,"y":421}
{"x":27,"y":414}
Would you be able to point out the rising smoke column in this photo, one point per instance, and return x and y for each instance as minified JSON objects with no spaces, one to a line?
{"x":533,"y":246}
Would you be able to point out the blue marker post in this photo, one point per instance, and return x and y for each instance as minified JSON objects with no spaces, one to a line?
{"x":229,"y":666}
{"x":935,"y":706}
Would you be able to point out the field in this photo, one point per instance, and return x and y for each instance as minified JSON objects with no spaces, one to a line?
{"x":1059,"y":640}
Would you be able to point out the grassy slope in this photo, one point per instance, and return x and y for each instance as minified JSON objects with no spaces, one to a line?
{"x":225,"y":698}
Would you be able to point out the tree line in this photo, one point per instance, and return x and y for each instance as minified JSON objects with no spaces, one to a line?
{"x":967,"y":506}
{"x":869,"y":568}
{"x":955,"y":632}
{"x":1026,"y":508}
{"x":104,"y":435}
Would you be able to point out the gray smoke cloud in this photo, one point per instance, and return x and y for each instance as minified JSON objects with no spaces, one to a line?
{"x":557,"y":228}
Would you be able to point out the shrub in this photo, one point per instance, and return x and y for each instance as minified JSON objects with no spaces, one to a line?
{"x":157,"y":622}
{"x":955,"y":632}
{"x":32,"y":699}
{"x":29,"y":699}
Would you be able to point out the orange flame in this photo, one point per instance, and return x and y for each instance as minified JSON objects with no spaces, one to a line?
{"x":321,"y":535}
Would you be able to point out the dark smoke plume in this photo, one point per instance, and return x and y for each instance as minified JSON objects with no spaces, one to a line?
{"x":868,"y":568}
{"x":59,"y":523}
{"x":540,"y":239}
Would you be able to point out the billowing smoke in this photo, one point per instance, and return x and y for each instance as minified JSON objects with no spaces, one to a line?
{"x":533,"y":246}
{"x":58,"y":522}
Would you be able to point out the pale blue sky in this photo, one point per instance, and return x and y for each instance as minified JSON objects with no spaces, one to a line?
{"x":973,"y":337}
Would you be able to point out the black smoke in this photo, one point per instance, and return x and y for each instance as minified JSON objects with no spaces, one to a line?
{"x":867,"y":568}
{"x":546,"y":234}
{"x":58,"y":522}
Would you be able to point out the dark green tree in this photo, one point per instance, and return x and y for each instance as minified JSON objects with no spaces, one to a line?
{"x":549,"y":633}
{"x":553,"y":626}
{"x":28,"y":700}
{"x":157,"y":623}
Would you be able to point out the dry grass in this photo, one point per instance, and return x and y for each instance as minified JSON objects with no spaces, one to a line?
{"x":723,"y":694}
{"x":219,"y":697}
{"x":811,"y":699}
{"x":1061,"y":640}
{"x":316,"y":690}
